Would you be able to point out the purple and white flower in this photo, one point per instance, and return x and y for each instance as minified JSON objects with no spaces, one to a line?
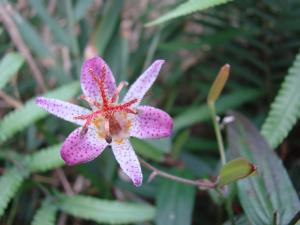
{"x":109,"y":122}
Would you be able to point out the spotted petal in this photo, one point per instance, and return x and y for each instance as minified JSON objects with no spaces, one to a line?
{"x":140,"y":87}
{"x":62,"y":109}
{"x":81,"y":148}
{"x":89,"y":86}
{"x":128,"y":161}
{"x":150,"y":123}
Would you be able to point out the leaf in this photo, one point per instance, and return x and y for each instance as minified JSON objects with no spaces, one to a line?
{"x":285,"y":109}
{"x":175,"y":203}
{"x":186,"y":8}
{"x":10,"y":182}
{"x":108,"y":24}
{"x":45,"y":159}
{"x":235,"y":170}
{"x":81,"y":8}
{"x":104,"y":211}
{"x":58,"y":32}
{"x":146,"y":149}
{"x":272,"y":191}
{"x":9,"y":66}
{"x":31,"y":37}
{"x":30,"y":112}
{"x":45,"y":215}
{"x":225,"y":102}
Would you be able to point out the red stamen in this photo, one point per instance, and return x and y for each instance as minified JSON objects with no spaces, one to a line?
{"x":117,"y":91}
{"x":90,"y":101}
{"x":82,"y":117}
{"x":129,"y":111}
{"x":101,"y":85}
{"x":124,"y":105}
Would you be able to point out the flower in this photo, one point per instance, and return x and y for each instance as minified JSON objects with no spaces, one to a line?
{"x":109,"y":122}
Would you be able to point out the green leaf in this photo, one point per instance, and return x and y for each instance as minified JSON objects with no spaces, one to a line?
{"x":285,"y":109}
{"x":272,"y":191}
{"x":108,"y":24}
{"x":10,"y":182}
{"x":186,"y":8}
{"x":81,"y":9}
{"x":175,"y":203}
{"x":225,"y":102}
{"x":58,"y":32}
{"x":146,"y":149}
{"x":104,"y":211}
{"x":45,"y":215}
{"x":235,"y":170}
{"x":30,"y":112}
{"x":9,"y":66}
{"x":31,"y":37}
{"x":45,"y":159}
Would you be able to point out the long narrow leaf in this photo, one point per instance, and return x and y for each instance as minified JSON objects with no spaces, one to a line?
{"x":271,"y":191}
{"x":186,"y":8}
{"x":285,"y":110}
{"x":175,"y":203}
{"x":108,"y":24}
{"x":9,"y":66}
{"x":10,"y":181}
{"x":58,"y":32}
{"x":45,"y":215}
{"x":31,"y":37}
{"x":30,"y":112}
{"x":45,"y":159}
{"x":104,"y":211}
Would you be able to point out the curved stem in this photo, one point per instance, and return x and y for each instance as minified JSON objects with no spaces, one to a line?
{"x":202,"y":184}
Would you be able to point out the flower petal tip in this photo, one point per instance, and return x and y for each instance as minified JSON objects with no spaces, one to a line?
{"x":99,"y":68}
{"x":160,"y":61}
{"x":78,"y":148}
{"x":39,"y":100}
{"x":170,"y":125}
{"x":152,"y":123}
{"x":66,"y":159}
{"x":138,"y":182}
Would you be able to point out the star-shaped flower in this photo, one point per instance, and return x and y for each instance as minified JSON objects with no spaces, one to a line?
{"x":109,"y":122}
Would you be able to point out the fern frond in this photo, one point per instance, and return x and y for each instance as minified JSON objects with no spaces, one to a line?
{"x":187,"y":8}
{"x":104,"y":211}
{"x":45,"y":159}
{"x":10,"y":181}
{"x":285,"y":109}
{"x":30,"y":112}
{"x":9,"y":66}
{"x":45,"y":215}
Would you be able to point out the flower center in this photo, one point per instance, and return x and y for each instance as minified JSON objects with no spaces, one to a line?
{"x":110,"y":118}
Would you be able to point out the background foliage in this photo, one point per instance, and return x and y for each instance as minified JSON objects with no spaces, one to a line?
{"x":42,"y":47}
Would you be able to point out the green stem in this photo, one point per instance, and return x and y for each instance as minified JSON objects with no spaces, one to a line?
{"x":212,"y":108}
{"x":202,"y":184}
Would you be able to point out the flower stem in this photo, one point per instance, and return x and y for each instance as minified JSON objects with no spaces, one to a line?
{"x":202,"y":184}
{"x":212,"y":108}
